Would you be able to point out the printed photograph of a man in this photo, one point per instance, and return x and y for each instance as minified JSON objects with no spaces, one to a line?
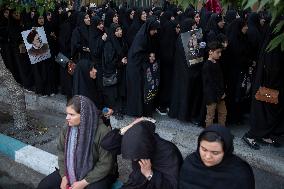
{"x":36,"y":44}
{"x":38,"y":48}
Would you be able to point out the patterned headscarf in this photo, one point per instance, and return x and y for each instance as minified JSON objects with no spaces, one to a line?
{"x":81,"y":155}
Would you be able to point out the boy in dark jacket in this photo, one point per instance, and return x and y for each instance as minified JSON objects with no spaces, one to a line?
{"x":213,"y":85}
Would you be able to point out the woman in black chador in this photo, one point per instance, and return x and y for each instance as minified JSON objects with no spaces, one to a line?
{"x":139,"y":19}
{"x":214,"y":165}
{"x":114,"y":65}
{"x":237,"y":70}
{"x":167,"y":37}
{"x":17,"y":58}
{"x":187,"y":95}
{"x":81,"y":53}
{"x":138,"y":55}
{"x":214,"y":27}
{"x":155,"y":161}
{"x":64,"y":39}
{"x":44,"y":71}
{"x":266,"y":120}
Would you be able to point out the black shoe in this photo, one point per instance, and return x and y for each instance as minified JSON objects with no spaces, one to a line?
{"x":269,"y":141}
{"x":251,"y":142}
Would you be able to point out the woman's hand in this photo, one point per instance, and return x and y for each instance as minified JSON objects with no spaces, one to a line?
{"x":80,"y":184}
{"x":146,"y":167}
{"x":64,"y":183}
{"x":104,"y":37}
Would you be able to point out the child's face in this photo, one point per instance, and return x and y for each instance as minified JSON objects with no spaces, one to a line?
{"x":215,"y":54}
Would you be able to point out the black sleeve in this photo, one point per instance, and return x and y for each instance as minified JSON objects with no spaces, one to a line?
{"x":112,"y":142}
{"x":76,"y":45}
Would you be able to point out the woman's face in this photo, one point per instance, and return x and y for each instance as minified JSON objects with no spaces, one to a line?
{"x":143,"y":16}
{"x":131,"y":16}
{"x":115,"y":19}
{"x":221,"y":24}
{"x":118,"y":32}
{"x":197,"y":19}
{"x":244,"y":29}
{"x":72,"y":117}
{"x":6,"y":14}
{"x":211,"y":153}
{"x":178,"y":29}
{"x":100,"y":26}
{"x":87,"y":20}
{"x":153,"y":32}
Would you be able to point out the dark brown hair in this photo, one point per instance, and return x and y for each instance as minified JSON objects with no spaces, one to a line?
{"x":75,"y":102}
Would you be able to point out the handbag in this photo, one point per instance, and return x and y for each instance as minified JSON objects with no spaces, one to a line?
{"x":71,"y":67}
{"x":61,"y":59}
{"x":110,"y":80}
{"x":268,"y":95}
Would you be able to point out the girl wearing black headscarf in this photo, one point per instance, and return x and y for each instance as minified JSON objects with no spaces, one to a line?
{"x":138,"y":55}
{"x":110,"y":17}
{"x":186,"y":98}
{"x":155,"y":161}
{"x":114,"y":64}
{"x":214,"y":165}
{"x":83,"y":163}
{"x":139,"y":19}
{"x":126,"y":19}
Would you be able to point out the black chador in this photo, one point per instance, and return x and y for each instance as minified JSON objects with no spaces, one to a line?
{"x":266,"y":120}
{"x":115,"y":49}
{"x":141,"y":142}
{"x":81,"y":50}
{"x":187,"y":78}
{"x":232,"y":172}
{"x":138,"y":55}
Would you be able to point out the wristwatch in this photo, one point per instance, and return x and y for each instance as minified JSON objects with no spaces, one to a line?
{"x":150,"y":176}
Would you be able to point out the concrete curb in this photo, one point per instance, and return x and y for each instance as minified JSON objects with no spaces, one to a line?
{"x":34,"y":158}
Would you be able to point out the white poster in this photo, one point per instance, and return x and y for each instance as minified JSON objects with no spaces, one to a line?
{"x":36,"y":44}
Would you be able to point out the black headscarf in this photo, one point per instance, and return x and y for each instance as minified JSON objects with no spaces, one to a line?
{"x":231,"y":173}
{"x":83,"y":154}
{"x":141,"y":142}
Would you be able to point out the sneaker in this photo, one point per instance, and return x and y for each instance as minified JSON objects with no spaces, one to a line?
{"x":52,"y":94}
{"x":28,"y":91}
{"x":251,"y":142}
{"x":44,"y":96}
{"x":161,"y":111}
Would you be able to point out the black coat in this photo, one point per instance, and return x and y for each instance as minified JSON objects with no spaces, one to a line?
{"x":186,"y":97}
{"x":213,"y":82}
{"x":141,"y":142}
{"x":232,"y":172}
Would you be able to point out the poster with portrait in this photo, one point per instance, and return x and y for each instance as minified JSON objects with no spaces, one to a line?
{"x":193,"y":46}
{"x":36,"y":44}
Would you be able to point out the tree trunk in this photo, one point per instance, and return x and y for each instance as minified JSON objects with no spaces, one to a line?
{"x":15,"y":97}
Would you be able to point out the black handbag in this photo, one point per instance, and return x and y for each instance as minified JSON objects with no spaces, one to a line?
{"x":62,"y":60}
{"x":110,"y":80}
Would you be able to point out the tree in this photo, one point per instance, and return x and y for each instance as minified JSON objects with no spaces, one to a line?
{"x":15,"y":98}
{"x":275,"y":7}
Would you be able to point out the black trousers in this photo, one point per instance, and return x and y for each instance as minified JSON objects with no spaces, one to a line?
{"x":53,"y":181}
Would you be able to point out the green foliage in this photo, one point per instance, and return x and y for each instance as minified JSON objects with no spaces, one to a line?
{"x":41,"y":5}
{"x":185,"y":3}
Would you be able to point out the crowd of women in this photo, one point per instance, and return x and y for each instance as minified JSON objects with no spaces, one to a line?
{"x":135,"y":60}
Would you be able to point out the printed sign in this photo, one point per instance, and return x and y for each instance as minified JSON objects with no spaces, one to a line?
{"x":36,"y":44}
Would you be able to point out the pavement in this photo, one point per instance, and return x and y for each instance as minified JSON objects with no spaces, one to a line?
{"x":35,"y":149}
